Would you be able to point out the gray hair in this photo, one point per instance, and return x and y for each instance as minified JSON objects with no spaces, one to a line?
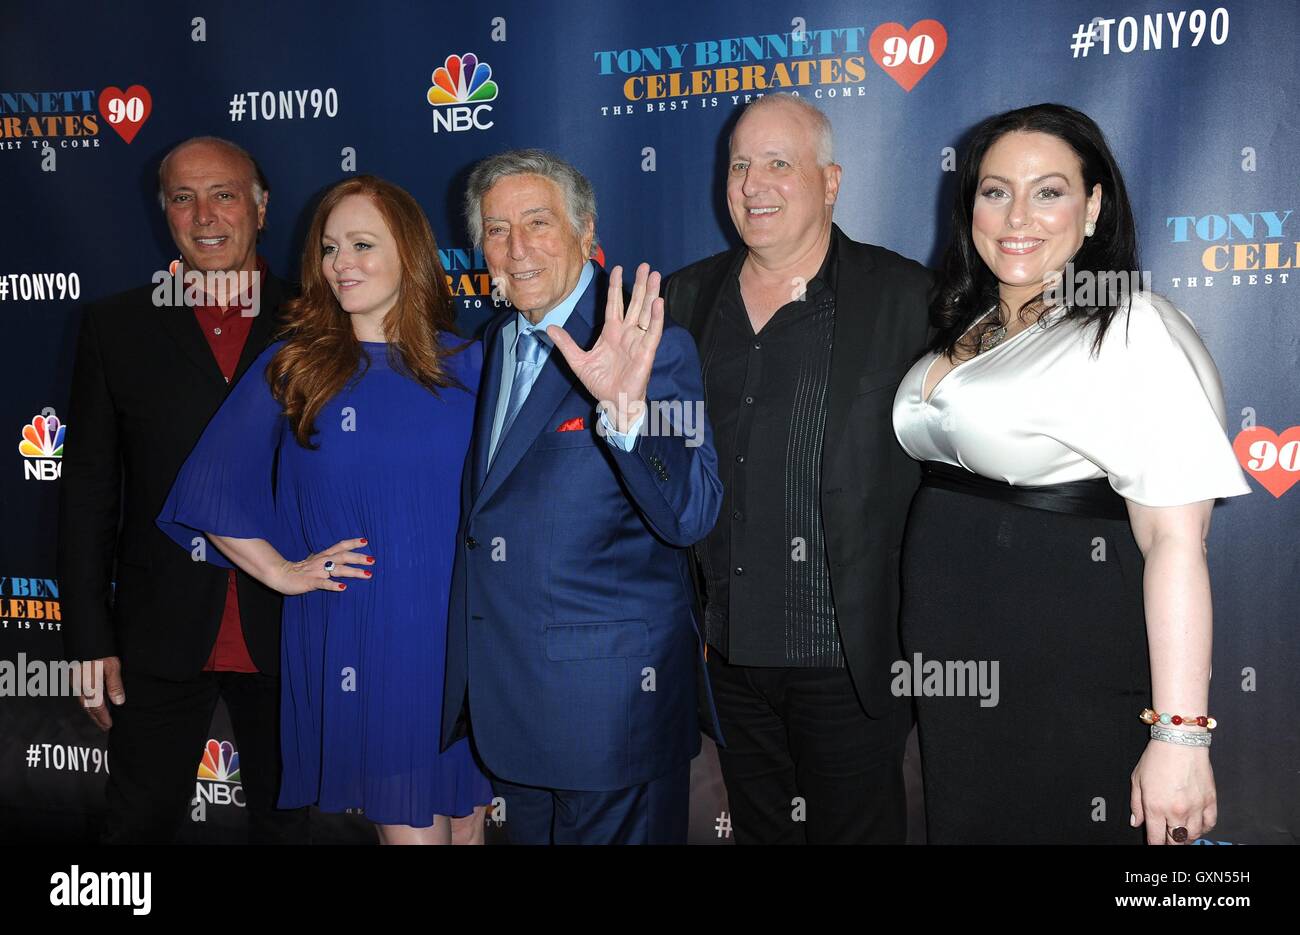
{"x":260,"y":185}
{"x":824,"y":144}
{"x":579,"y":196}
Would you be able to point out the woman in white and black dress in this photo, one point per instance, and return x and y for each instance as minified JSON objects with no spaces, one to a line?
{"x":1072,"y":454}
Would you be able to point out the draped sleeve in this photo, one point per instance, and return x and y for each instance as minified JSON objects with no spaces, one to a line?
{"x":1154,"y":411}
{"x":225,"y":485}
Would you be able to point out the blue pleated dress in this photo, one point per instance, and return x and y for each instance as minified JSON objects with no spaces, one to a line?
{"x":362,"y":669}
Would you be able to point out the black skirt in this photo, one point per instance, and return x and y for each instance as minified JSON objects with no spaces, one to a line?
{"x":1055,"y":599}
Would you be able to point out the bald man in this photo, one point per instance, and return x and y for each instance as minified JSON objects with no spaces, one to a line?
{"x":169,"y":634}
{"x":804,"y":335}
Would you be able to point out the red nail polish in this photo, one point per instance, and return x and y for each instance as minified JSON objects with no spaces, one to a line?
{"x":364,"y":541}
{"x":370,"y":559}
{"x":343,"y":587}
{"x":367,"y":574}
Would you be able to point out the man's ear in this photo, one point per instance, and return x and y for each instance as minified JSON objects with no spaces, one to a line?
{"x":832,"y":174}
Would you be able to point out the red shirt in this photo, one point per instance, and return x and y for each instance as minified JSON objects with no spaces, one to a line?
{"x":226,"y":330}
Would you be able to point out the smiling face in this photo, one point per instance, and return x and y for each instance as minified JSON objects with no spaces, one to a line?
{"x":779,"y":198}
{"x":1030,"y":210}
{"x":359,"y":260}
{"x":211,"y":211}
{"x":529,"y":244}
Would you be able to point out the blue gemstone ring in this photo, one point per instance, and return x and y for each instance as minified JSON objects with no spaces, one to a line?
{"x":329,"y":569}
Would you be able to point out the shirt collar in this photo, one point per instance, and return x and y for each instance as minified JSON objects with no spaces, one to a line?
{"x":825,"y":278}
{"x":229,"y":311}
{"x":560,"y":314}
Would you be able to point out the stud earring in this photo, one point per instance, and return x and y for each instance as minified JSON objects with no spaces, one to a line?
{"x":1089,"y":229}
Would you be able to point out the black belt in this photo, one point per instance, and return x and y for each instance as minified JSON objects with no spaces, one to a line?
{"x":1094,"y":498}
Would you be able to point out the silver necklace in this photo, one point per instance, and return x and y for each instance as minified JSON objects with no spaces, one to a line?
{"x":992,"y":338}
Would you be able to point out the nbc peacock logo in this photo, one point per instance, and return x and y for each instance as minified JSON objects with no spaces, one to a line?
{"x":220,"y":762}
{"x":462,"y":88}
{"x":218,"y":782}
{"x":42,"y":446}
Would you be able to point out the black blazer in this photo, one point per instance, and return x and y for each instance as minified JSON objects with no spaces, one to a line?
{"x":144,"y":385}
{"x":867,"y":480}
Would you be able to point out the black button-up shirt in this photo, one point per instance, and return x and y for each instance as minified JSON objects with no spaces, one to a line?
{"x":768,"y":596}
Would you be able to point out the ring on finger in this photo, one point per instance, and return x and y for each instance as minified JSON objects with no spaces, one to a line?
{"x":1179,"y":834}
{"x":329,"y":569}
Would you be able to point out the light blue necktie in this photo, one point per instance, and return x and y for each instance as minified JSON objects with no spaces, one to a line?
{"x":528,"y":358}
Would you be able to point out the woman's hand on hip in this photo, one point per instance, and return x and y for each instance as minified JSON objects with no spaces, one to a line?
{"x":311,"y":573}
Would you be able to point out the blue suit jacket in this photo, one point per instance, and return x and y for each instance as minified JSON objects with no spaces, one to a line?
{"x":572,"y":639}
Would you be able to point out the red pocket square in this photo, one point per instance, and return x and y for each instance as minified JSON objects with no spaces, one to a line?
{"x":573,"y":425}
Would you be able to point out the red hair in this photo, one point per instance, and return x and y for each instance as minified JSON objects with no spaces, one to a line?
{"x":322,"y":352}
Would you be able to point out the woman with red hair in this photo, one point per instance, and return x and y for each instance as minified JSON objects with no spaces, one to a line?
{"x":363,"y":419}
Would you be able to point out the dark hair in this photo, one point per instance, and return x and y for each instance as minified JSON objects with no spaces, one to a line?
{"x":967,"y":288}
{"x":322,"y":353}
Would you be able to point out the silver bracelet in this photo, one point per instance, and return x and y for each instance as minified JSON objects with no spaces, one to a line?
{"x":1184,"y":737}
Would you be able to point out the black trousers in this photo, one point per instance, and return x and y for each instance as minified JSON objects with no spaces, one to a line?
{"x":1065,"y":625}
{"x":156,"y":743}
{"x":803,"y":763}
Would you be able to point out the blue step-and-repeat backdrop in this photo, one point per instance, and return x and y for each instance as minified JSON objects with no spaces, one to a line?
{"x":1201,"y":102}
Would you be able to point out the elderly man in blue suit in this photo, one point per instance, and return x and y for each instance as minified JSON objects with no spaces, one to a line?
{"x":574,"y":657}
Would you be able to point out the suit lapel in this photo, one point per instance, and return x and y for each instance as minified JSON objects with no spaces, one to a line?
{"x":554,"y":383}
{"x":264,"y":325}
{"x":179,"y":323}
{"x":851,"y":342}
{"x":705,"y":317}
{"x":488,"y":397}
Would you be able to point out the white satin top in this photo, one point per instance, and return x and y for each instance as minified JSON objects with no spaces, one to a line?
{"x":1147,"y":412}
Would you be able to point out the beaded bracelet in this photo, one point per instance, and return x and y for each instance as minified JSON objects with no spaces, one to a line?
{"x":1148,"y":716}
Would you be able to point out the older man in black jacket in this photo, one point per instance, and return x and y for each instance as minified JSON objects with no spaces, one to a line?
{"x":804,"y":336}
{"x":173,"y":635}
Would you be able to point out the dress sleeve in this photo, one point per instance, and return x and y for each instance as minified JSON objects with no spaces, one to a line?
{"x":225,"y":485}
{"x":1153,"y":411}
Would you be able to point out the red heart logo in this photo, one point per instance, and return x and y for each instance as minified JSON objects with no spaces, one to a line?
{"x":1272,"y":459}
{"x":907,"y":54}
{"x":126,"y":111}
